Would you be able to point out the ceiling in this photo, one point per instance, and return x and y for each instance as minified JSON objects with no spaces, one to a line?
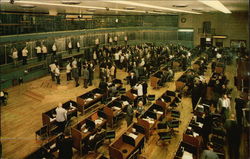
{"x":119,"y":7}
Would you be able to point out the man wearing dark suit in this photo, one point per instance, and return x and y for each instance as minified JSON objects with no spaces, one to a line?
{"x":65,"y":146}
{"x":233,"y":137}
{"x":85,"y":77}
{"x":239,"y":104}
{"x":129,"y":115}
{"x":75,"y":75}
{"x":132,"y":79}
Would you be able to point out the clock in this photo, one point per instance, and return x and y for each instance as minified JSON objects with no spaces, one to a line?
{"x":183,"y":20}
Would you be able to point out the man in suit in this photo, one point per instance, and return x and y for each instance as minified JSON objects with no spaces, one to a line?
{"x":65,"y":146}
{"x":75,"y":74}
{"x":129,"y":115}
{"x":240,"y":103}
{"x":132,"y":79}
{"x":85,"y":77}
{"x":233,"y":137}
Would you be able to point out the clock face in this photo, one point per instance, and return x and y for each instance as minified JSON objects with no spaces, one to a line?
{"x":183,"y":20}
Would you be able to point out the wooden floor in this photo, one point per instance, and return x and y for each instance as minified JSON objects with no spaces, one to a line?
{"x":22,"y":116}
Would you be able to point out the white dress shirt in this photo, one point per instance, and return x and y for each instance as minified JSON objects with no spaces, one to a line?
{"x":24,"y":52}
{"x":61,"y":114}
{"x":139,"y":89}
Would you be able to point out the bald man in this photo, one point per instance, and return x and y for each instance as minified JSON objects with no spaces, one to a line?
{"x":61,"y":117}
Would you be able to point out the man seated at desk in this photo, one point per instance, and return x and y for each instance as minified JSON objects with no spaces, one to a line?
{"x":139,"y":110}
{"x":91,"y":141}
{"x":209,"y":153}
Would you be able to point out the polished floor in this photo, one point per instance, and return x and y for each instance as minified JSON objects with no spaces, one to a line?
{"x":23,"y":114}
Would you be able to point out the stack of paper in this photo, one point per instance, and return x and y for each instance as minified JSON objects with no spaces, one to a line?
{"x":195,"y":134}
{"x":89,"y":99}
{"x":125,"y":103}
{"x":159,"y":112}
{"x":98,"y":121}
{"x":116,"y":108}
{"x":187,"y":155}
{"x":132,"y":135}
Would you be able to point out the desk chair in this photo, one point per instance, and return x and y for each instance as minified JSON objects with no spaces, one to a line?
{"x":43,"y":132}
{"x":122,"y":91}
{"x":151,"y":98}
{"x":134,"y":155}
{"x":173,"y":124}
{"x":163,"y":134}
{"x":97,"y":145}
{"x":110,"y":135}
{"x":175,"y":114}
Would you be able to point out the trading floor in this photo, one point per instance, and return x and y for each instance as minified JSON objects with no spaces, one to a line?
{"x":22,"y":116}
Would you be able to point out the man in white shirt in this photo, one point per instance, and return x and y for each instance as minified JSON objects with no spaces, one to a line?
{"x":224,"y":106}
{"x":78,"y":46}
{"x":70,"y":47}
{"x":57,"y":74}
{"x":15,"y":56}
{"x":68,"y":71}
{"x":39,"y":53}
{"x":52,"y":70}
{"x":61,"y":117}
{"x":25,"y":55}
{"x":44,"y":51}
{"x":54,"y":49}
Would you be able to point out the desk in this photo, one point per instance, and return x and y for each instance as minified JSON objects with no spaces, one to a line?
{"x":115,"y":108}
{"x":48,"y":118}
{"x":87,"y":100}
{"x":47,"y":150}
{"x":126,"y":143}
{"x":148,"y":124}
{"x":80,"y":133}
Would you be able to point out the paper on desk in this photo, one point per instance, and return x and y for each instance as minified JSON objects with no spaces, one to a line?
{"x":125,"y":103}
{"x":200,"y":124}
{"x":134,"y":95}
{"x":52,"y":146}
{"x":116,"y":108}
{"x":98,"y":121}
{"x":89,"y":99}
{"x":85,"y":130}
{"x":159,"y":112}
{"x":132,"y":135}
{"x":187,"y":155}
{"x":195,"y":134}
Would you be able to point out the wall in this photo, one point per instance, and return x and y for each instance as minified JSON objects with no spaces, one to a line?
{"x":234,"y":25}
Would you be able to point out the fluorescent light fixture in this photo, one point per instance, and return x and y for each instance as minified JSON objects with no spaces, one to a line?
{"x":27,"y":6}
{"x":80,"y":6}
{"x":216,"y":5}
{"x":180,"y":5}
{"x":149,"y":6}
{"x":71,"y":2}
{"x":130,"y":8}
{"x":185,"y":30}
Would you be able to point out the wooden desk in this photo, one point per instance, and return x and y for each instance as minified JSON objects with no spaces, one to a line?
{"x":80,"y":133}
{"x":146,"y":124}
{"x":47,"y":150}
{"x":48,"y":118}
{"x":125,"y":143}
{"x":115,"y":108}
{"x":87,"y":100}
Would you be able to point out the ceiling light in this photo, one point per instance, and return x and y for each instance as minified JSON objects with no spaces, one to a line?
{"x":216,"y":5}
{"x":157,"y":10}
{"x":180,"y":5}
{"x":80,"y":6}
{"x":130,"y":8}
{"x":71,"y":2}
{"x":91,"y":10}
{"x":27,"y":6}
{"x":149,"y":6}
{"x":185,"y":30}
